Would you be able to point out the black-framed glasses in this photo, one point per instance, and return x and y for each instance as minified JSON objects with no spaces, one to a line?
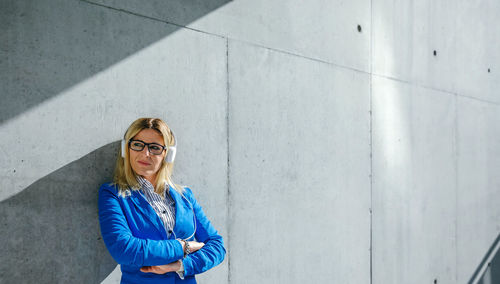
{"x":153,"y":148}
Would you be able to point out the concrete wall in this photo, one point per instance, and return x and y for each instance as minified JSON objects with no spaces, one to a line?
{"x":328,"y":141}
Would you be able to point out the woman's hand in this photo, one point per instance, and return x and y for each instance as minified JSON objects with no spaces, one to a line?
{"x":173,"y":266}
{"x":194,"y":246}
{"x":162,"y":269}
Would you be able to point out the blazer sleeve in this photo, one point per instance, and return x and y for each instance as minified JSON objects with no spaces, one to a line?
{"x":122,"y":245}
{"x":213,"y":252}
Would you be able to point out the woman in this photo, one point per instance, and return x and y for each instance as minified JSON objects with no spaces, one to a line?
{"x":152,"y":227}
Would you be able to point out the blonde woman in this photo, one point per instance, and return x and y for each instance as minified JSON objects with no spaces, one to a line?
{"x":153,"y":228}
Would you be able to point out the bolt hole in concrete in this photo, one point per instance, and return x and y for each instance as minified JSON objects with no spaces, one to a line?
{"x":435,"y":281}
{"x":359,"y":28}
{"x":489,"y":70}
{"x":435,"y":53}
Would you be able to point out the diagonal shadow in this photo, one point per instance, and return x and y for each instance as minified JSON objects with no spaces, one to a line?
{"x":488,"y":271}
{"x":50,"y":231}
{"x":47,"y":46}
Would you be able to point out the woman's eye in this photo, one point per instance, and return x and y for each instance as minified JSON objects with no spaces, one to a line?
{"x":137,"y":144}
{"x":154,"y":147}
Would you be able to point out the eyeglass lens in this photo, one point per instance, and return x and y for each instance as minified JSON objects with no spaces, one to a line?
{"x":153,"y":148}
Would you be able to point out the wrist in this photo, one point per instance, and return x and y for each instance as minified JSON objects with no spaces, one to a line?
{"x":187,"y":249}
{"x":183,"y":245}
{"x":180,"y":271}
{"x":181,"y":266}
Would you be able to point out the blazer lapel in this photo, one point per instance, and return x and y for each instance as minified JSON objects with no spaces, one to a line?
{"x":143,"y":206}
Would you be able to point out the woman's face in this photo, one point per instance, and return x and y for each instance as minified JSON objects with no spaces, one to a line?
{"x":143,"y":162}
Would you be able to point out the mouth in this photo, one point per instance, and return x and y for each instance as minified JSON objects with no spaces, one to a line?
{"x":144,"y":163}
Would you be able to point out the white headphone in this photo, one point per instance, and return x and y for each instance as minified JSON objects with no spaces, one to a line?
{"x":171,"y":150}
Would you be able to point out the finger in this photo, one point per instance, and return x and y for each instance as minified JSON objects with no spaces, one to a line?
{"x":199,"y":245}
{"x":157,"y":270}
{"x":145,"y":269}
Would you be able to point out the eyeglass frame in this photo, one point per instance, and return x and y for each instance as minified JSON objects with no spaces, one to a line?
{"x":146,"y":145}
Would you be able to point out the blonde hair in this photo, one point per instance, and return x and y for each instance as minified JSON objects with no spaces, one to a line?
{"x":124,"y":175}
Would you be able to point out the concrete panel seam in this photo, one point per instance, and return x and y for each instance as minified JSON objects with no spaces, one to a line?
{"x":479,"y":100}
{"x":413,"y":84}
{"x":434,"y":89}
{"x":455,"y":150}
{"x":228,"y":181}
{"x":151,"y":18}
{"x":371,"y":141}
{"x":300,"y":56}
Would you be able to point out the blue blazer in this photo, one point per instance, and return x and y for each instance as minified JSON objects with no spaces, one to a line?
{"x":135,"y":236}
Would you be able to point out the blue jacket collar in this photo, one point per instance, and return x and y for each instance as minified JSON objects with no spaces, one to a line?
{"x":184,"y":226}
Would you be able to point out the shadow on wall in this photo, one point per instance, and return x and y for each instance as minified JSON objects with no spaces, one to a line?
{"x":47,"y":46}
{"x":489,"y":268}
{"x":50,"y":231}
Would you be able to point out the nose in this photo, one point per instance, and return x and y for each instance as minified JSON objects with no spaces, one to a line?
{"x":145,"y":151}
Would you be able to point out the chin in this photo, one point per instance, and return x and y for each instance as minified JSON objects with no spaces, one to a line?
{"x":144,"y":173}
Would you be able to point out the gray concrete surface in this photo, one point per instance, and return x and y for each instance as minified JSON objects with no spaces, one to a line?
{"x":321,"y":29}
{"x":50,"y":230}
{"x":414,"y":184}
{"x":142,"y":73}
{"x":322,"y":153}
{"x":405,"y":36}
{"x":478,"y":182}
{"x":463,"y":34}
{"x":299,"y":168}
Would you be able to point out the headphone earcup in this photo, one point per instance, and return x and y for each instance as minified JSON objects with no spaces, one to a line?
{"x":123,"y":148}
{"x":170,"y":157}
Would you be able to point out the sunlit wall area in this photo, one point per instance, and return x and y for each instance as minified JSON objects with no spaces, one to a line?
{"x":327,"y":141}
{"x":435,"y":128}
{"x":414,"y":178}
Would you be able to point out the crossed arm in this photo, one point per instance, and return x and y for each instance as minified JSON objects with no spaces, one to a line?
{"x":158,"y":256}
